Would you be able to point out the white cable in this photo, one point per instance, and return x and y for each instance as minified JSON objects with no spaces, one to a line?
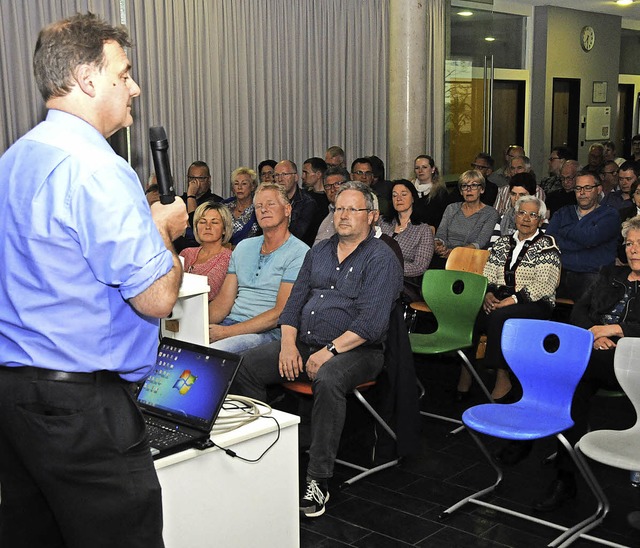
{"x":239,"y":410}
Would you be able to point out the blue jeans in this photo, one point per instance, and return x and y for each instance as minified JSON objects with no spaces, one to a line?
{"x":335,"y":379}
{"x":241,"y":343}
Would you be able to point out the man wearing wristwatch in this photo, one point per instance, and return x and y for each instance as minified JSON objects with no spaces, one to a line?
{"x":333,"y":329}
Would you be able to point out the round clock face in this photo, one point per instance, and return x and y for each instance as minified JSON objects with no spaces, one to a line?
{"x":587,"y":38}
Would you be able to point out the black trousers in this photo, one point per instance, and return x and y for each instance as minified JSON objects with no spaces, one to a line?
{"x":75,"y":466}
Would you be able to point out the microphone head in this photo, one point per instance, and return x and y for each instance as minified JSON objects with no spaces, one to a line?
{"x":158,"y":137}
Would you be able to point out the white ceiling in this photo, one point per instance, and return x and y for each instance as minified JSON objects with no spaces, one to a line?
{"x":596,"y":6}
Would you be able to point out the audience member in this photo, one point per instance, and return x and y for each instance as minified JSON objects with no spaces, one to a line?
{"x":610,"y":153}
{"x":334,"y":157}
{"x":566,"y":195}
{"x":303,"y":208}
{"x":212,"y":229}
{"x":413,"y":236}
{"x":245,"y":224}
{"x":556,"y":160}
{"x":484,"y":163}
{"x":260,"y":277}
{"x":521,"y":184}
{"x":609,"y":178}
{"x":380,"y":186}
{"x":500,"y":177}
{"x":433,"y":197}
{"x":586,"y":235}
{"x":627,"y":175}
{"x":595,"y":158}
{"x":312,"y":181}
{"x":87,"y":270}
{"x":333,"y":329}
{"x":518,"y":164}
{"x":334,"y":177}
{"x":266,"y":169}
{"x":467,"y":224}
{"x":523,"y":271}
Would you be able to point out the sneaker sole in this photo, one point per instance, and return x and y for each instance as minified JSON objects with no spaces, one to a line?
{"x":318,"y":513}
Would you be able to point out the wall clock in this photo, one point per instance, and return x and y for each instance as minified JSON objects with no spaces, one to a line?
{"x":587,"y":38}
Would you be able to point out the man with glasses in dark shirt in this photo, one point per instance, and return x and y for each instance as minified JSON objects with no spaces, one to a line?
{"x":303,"y":207}
{"x":587,"y":235}
{"x":333,"y":329}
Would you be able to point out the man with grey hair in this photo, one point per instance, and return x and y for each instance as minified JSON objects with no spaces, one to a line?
{"x":303,"y":208}
{"x":517,"y":164}
{"x":565,"y":195}
{"x":333,"y":328}
{"x":88,"y":269}
{"x":331,"y":180}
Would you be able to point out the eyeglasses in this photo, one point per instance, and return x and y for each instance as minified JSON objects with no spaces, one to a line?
{"x":532,"y":215}
{"x":361,"y":173}
{"x":349,"y":210}
{"x":193,"y":178}
{"x":470,"y":186}
{"x":281,"y":175}
{"x":479,"y":166}
{"x":586,"y":188}
{"x":334,"y":185}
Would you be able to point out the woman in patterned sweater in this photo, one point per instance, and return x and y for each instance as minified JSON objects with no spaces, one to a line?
{"x":523,"y":271}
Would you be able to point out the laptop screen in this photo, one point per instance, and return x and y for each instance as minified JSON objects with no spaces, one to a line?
{"x":189,"y":383}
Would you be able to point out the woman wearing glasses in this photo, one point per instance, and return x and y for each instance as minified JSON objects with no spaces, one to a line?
{"x":468,"y":223}
{"x":523,"y":271}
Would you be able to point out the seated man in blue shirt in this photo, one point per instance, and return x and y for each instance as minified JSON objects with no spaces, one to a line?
{"x":333,"y":328}
{"x":587,"y":235}
{"x":261,"y":273}
{"x":86,"y":271}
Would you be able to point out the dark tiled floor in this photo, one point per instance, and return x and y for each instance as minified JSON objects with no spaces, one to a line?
{"x":400,"y":506}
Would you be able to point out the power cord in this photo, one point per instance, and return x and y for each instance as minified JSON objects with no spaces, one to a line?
{"x":239,"y":411}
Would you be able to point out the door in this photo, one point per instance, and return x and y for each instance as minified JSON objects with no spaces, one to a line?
{"x":565,"y":119}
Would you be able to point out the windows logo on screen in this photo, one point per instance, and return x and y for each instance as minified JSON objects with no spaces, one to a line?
{"x":185,"y":382}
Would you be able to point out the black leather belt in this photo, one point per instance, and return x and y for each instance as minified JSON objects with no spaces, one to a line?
{"x":38,"y":373}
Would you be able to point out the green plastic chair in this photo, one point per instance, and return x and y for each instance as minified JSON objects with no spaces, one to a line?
{"x":455,"y":298}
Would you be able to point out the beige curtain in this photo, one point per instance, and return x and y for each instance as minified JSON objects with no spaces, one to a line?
{"x":238,"y":81}
{"x":435,"y":66}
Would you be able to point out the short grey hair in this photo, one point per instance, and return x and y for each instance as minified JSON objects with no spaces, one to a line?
{"x":630,"y":224}
{"x":360,"y":187}
{"x":542,"y":207}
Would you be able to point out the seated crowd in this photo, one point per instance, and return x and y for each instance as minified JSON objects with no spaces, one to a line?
{"x":303,"y":279}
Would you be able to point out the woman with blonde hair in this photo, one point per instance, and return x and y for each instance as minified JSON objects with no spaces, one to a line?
{"x":243,"y":184}
{"x":212,"y":228}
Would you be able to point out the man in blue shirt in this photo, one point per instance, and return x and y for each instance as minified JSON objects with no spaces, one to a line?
{"x":333,"y":328}
{"x":245,"y":312}
{"x":86,"y":271}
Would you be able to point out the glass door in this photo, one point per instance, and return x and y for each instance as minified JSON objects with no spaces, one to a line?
{"x":485,"y":86}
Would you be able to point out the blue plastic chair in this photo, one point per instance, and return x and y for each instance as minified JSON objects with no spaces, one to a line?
{"x":548,"y":358}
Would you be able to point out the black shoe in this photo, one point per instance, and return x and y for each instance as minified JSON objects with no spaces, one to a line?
{"x":316,"y":497}
{"x":513,"y":453}
{"x":559,"y":492}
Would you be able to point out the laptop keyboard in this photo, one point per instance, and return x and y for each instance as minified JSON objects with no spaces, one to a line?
{"x":160,"y":436}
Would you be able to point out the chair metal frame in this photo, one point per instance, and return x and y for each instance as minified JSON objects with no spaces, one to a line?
{"x":549,"y":380}
{"x":305,"y":388}
{"x":440,"y":289}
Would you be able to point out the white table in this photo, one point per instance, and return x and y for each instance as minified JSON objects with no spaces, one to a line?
{"x":211,"y":499}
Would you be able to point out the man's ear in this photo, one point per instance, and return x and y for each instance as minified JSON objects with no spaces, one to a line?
{"x":85,"y":75}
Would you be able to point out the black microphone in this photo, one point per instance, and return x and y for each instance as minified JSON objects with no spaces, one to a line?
{"x":160,"y":154}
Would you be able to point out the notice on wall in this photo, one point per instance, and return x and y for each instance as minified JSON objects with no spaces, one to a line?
{"x":598,"y":123}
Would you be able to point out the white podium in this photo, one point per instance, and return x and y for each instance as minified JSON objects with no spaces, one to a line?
{"x":189,"y":320}
{"x":211,"y":499}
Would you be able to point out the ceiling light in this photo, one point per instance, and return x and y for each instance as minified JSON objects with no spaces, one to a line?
{"x":465,"y":13}
{"x":624,"y":2}
{"x":490,"y":39}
